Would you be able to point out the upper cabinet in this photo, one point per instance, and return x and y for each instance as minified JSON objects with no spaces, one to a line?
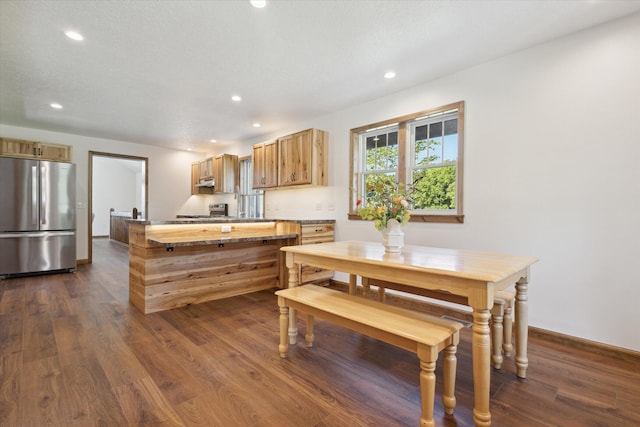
{"x":34,"y":150}
{"x":265,"y":165}
{"x":226,"y":173}
{"x":206,"y":168}
{"x":303,"y":158}
{"x":297,"y":159}
{"x":196,"y":182}
{"x":195,"y":177}
{"x":219,"y":174}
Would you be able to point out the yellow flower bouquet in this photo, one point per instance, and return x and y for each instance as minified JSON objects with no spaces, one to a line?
{"x":385,"y":200}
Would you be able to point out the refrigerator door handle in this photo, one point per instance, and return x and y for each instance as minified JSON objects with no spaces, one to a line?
{"x":43,"y":195}
{"x":36,"y":234}
{"x":34,"y":195}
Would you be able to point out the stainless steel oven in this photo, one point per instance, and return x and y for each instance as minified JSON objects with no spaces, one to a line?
{"x":219,"y":209}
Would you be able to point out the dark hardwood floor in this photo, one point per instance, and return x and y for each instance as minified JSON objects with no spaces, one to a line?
{"x":73,"y":352}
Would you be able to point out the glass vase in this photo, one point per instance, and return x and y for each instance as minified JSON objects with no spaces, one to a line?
{"x":393,"y":237}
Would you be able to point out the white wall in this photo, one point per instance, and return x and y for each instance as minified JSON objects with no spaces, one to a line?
{"x":551,"y":170}
{"x":114,"y":186}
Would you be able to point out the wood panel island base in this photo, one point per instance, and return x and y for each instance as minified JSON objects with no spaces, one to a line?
{"x":178,"y":263}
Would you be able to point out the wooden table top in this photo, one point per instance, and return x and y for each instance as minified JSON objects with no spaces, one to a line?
{"x":475,"y":265}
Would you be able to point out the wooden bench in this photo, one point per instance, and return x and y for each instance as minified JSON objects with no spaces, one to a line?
{"x":417,"y":332}
{"x":501,"y":313}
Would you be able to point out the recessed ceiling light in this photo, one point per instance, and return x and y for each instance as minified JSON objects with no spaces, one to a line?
{"x":236,"y":98}
{"x":56,"y":106}
{"x":73,"y":35}
{"x":389,"y":74}
{"x":258,"y":3}
{"x":256,"y":125}
{"x":189,"y":149}
{"x":213,"y":140}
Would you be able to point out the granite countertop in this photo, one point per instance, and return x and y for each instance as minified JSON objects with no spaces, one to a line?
{"x":214,"y":220}
{"x":217,"y":240}
{"x":308,"y":221}
{"x":203,"y":220}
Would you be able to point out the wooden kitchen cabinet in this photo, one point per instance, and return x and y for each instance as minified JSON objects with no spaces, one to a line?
{"x":195,"y":177}
{"x":226,"y":173}
{"x":265,"y":165}
{"x":206,"y":168}
{"x":309,"y":232}
{"x":20,"y":148}
{"x":195,"y":180}
{"x":303,"y":158}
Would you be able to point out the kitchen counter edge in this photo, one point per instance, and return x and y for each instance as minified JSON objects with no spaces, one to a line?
{"x":226,"y":220}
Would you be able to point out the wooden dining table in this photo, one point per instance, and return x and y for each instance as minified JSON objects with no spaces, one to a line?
{"x":472,"y":274}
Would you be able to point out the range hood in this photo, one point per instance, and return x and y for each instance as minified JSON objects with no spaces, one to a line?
{"x":210,"y":182}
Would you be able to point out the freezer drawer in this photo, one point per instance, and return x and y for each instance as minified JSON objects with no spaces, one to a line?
{"x":34,"y":252}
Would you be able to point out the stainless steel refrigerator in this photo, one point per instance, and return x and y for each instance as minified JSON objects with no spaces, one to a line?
{"x":37,"y":216}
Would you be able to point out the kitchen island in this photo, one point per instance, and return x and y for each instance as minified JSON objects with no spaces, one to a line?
{"x":180,"y":262}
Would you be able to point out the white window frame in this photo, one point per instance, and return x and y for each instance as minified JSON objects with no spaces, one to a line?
{"x":441,"y":116}
{"x":406,"y":159}
{"x":382,"y":130}
{"x":250,"y":201}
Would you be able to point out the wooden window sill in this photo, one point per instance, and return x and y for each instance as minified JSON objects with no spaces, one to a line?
{"x":450,"y":219}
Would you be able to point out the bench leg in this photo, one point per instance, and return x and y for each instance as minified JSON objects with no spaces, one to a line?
{"x":497,"y":315}
{"x":427,"y":391}
{"x":284,"y":326}
{"x":309,"y":335}
{"x":366,"y":288}
{"x":507,"y":346}
{"x":381,"y":294}
{"x":522,"y":324}
{"x":449,"y":366}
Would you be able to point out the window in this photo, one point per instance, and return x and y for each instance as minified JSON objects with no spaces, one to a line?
{"x":381,"y":153}
{"x":250,"y":201}
{"x":422,"y":151}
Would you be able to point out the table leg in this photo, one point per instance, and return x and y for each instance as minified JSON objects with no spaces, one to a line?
{"x":522,"y":327}
{"x":481,"y":354}
{"x":353,"y":284}
{"x":293,"y":282}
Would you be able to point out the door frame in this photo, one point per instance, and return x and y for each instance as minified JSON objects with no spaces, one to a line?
{"x":93,"y":154}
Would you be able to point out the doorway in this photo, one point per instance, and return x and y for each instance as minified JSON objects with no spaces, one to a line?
{"x":120,"y":182}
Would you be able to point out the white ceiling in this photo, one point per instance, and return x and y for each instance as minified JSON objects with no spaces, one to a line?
{"x":163,"y":72}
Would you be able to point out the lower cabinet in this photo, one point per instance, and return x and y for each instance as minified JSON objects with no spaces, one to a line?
{"x":309,"y":233}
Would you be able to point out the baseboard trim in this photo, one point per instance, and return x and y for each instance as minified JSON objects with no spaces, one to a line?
{"x":543,"y":334}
